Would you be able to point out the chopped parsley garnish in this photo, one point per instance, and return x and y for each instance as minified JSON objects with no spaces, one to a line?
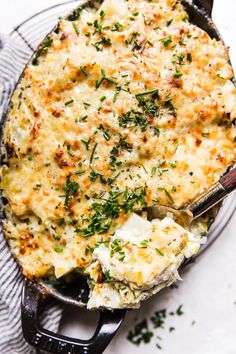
{"x":181,"y":41}
{"x":141,"y":333}
{"x":147,"y":104}
{"x":177,"y":73}
{"x":107,"y":276}
{"x":43,"y":49}
{"x":105,"y":41}
{"x":86,"y":143}
{"x":102,"y":14}
{"x":92,"y":154}
{"x":81,"y":172}
{"x":76,"y":14}
{"x":180,"y":57}
{"x":83,"y":119}
{"x":189,"y":57}
{"x":145,"y":93}
{"x":71,"y":190}
{"x":37,"y":187}
{"x":159,"y":252}
{"x":133,"y":118}
{"x":172,"y":164}
{"x":58,"y":249}
{"x":106,"y":136}
{"x":117,"y":27}
{"x":153,"y":171}
{"x":159,"y":318}
{"x":75,"y":28}
{"x":169,"y":22}
{"x":179,"y":311}
{"x":115,"y":151}
{"x":69,"y":102}
{"x":86,"y":105}
{"x":103,"y":98}
{"x":61,"y":221}
{"x":83,"y":70}
{"x":98,"y":26}
{"x":105,"y":209}
{"x":104,"y":78}
{"x":144,"y":243}
{"x":162,"y":163}
{"x":166,"y":41}
{"x":168,"y":195}
{"x":205,"y":134}
{"x":168,"y":103}
{"x":56,"y":237}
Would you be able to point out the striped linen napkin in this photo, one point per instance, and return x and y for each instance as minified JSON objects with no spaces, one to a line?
{"x":13,"y":58}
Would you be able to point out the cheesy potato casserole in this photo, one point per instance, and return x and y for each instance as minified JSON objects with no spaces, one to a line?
{"x":121,"y":108}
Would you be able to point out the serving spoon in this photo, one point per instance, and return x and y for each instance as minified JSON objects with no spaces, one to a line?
{"x":206,"y":201}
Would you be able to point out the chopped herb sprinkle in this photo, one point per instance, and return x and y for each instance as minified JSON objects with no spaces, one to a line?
{"x":75,"y":28}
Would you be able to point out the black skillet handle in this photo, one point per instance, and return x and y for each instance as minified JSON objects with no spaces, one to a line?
{"x":48,"y":341}
{"x":206,"y":5}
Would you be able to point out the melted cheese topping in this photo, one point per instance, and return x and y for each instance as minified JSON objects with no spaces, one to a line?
{"x":121,"y":108}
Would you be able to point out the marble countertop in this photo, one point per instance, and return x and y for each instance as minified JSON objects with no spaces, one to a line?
{"x":208,"y":290}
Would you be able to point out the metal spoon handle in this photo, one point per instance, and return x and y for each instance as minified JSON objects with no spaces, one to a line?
{"x":218,"y":192}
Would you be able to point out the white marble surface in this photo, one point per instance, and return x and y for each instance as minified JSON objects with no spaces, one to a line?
{"x":208,"y":290}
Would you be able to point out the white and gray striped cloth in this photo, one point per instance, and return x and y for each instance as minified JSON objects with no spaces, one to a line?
{"x":12,"y":61}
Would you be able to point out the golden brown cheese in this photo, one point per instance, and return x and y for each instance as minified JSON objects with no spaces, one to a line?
{"x":125,"y":107}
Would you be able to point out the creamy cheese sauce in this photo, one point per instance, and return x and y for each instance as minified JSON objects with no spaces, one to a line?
{"x":124,"y":107}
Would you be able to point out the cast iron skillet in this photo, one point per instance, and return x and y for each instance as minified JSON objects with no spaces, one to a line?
{"x":76,"y":293}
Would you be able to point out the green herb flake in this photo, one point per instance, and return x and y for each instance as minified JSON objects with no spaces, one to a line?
{"x":43,"y":49}
{"x":162,"y":163}
{"x":69,"y":102}
{"x":107,"y":276}
{"x":166,"y":41}
{"x":37,"y":187}
{"x":169,"y":196}
{"x":106,"y":136}
{"x":83,"y":119}
{"x":117,"y":27}
{"x":103,"y":98}
{"x":153,"y":92}
{"x":102,"y":14}
{"x":159,"y":252}
{"x":75,"y":28}
{"x":189,"y":57}
{"x":86,"y":105}
{"x":71,"y":189}
{"x":92,"y":154}
{"x":169,"y":22}
{"x":83,"y":70}
{"x":144,"y":243}
{"x":177,"y":73}
{"x":81,"y":172}
{"x":61,"y":221}
{"x":179,"y":311}
{"x":140,"y":334}
{"x":153,"y":171}
{"x":205,"y":134}
{"x":56,"y":237}
{"x":58,"y":249}
{"x":158,"y":318}
{"x":86,"y":143}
